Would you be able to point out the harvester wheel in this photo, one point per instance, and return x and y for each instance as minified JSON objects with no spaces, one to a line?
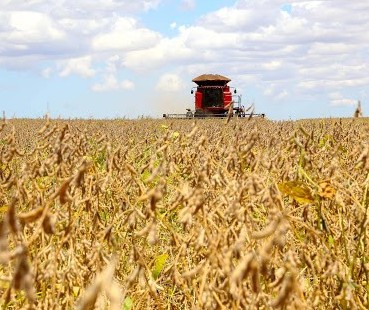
{"x":189,"y":114}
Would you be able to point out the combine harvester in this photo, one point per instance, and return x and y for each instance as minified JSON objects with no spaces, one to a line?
{"x":214,"y":98}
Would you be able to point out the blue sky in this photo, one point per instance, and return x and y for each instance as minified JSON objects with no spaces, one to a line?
{"x":120,"y":58}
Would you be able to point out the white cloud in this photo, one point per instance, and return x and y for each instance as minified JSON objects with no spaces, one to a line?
{"x":170,"y":82}
{"x":64,"y":29}
{"x":32,"y":26}
{"x":188,"y":4}
{"x":328,"y":49}
{"x":272,"y":65}
{"x":110,"y":80}
{"x":25,"y":33}
{"x":273,"y":91}
{"x":229,"y":19}
{"x":111,"y":83}
{"x":80,"y":66}
{"x":127,"y":84}
{"x":167,"y":51}
{"x":82,"y":7}
{"x":83,"y":27}
{"x":125,"y":35}
{"x":337,"y":99}
{"x":46,"y":73}
{"x":199,"y":38}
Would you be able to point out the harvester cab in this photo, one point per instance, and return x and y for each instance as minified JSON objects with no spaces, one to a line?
{"x":214,"y":98}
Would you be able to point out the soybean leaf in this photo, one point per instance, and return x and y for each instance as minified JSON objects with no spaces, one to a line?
{"x":297,"y":190}
{"x":128,"y":303}
{"x":159,"y":265}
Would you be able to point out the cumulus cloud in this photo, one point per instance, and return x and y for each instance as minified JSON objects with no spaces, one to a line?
{"x":274,"y":91}
{"x":188,"y":4}
{"x":24,"y":33}
{"x":125,"y":35}
{"x":337,"y":99}
{"x":33,"y":26}
{"x":74,"y":38}
{"x":169,"y":82}
{"x":82,"y":7}
{"x":60,"y":30}
{"x":80,"y":66}
{"x":111,"y":83}
{"x":46,"y":73}
{"x":165,"y":52}
{"x":110,"y":80}
{"x":272,"y":65}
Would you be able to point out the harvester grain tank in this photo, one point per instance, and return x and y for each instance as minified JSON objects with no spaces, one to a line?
{"x":214,"y":98}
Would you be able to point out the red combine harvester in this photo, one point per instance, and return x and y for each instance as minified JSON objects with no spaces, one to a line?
{"x":215,"y":98}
